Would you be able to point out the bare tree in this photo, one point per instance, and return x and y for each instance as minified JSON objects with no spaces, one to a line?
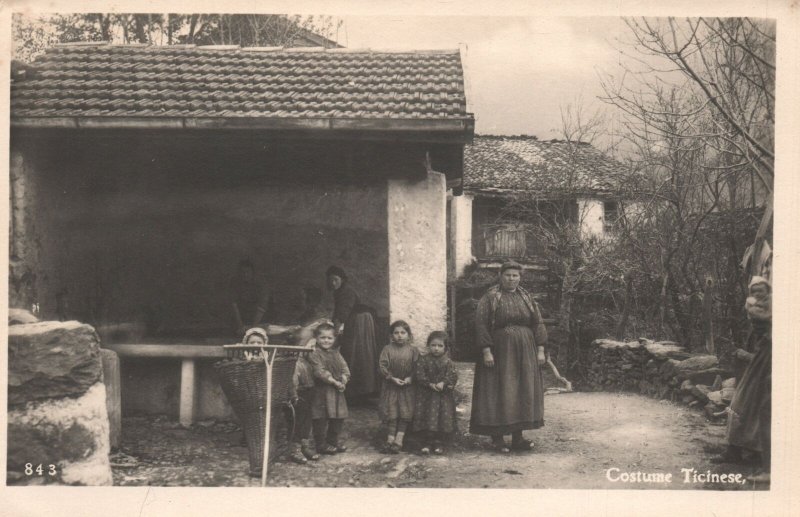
{"x":726,"y":66}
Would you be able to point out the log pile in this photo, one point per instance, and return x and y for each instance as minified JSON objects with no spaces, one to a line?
{"x":663,"y":370}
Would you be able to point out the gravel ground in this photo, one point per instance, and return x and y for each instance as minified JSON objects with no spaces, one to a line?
{"x":585,"y":435}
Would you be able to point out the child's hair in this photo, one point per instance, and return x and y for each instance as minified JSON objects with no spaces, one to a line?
{"x":439,"y":334}
{"x":323,"y":327}
{"x":402,"y":323}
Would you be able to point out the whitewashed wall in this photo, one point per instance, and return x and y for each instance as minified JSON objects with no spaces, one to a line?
{"x":417,"y":253}
{"x":461,"y":232}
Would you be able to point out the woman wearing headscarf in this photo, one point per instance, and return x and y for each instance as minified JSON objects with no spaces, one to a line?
{"x":508,"y":394}
{"x":357,"y":342}
{"x":750,"y":413}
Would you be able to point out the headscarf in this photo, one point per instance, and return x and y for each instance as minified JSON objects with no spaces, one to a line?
{"x":759,"y":280}
{"x":257,"y":331}
{"x":510,"y":264}
{"x":336,"y":270}
{"x":759,"y":309}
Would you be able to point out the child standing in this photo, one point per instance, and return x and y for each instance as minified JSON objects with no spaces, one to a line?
{"x":396,"y":404}
{"x":300,"y":450}
{"x":329,"y":407}
{"x":435,"y":410}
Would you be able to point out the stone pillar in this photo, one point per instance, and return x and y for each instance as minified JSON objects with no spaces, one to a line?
{"x":22,"y":246}
{"x":417,"y":253}
{"x":57,"y":415}
{"x":461,"y":232}
{"x":112,"y":381}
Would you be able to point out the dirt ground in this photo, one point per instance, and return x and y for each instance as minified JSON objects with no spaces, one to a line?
{"x":585,"y":435}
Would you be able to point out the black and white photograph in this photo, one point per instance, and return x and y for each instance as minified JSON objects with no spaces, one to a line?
{"x":357,"y":250}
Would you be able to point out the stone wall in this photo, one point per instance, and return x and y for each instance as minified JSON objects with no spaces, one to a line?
{"x":148,"y":238}
{"x":57,"y":415}
{"x":662,"y":370}
{"x":417,"y":254}
{"x":24,"y":247}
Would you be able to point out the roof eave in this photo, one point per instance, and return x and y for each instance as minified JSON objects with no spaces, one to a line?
{"x":464,"y":126}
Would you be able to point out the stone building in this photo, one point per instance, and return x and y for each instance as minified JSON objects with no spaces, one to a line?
{"x":141,"y":175}
{"x":499,"y":171}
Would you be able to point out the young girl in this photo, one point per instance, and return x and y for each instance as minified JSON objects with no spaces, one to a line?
{"x":329,"y":407}
{"x":435,"y":410}
{"x":396,"y":404}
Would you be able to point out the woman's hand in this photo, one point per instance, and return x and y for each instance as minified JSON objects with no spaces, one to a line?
{"x":439,"y":386}
{"x":540,"y":358}
{"x":397,"y":381}
{"x":488,"y":358}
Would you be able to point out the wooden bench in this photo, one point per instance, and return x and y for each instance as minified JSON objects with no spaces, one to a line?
{"x":188,"y":354}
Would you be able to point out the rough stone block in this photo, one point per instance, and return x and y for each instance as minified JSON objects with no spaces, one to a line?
{"x":716,"y":398}
{"x":727,"y":395}
{"x":729,"y":383}
{"x":706,"y":376}
{"x":72,"y":434}
{"x":696,"y":363}
{"x":51,"y":359}
{"x":20,"y":317}
{"x":701,"y":391}
{"x":667,"y":350}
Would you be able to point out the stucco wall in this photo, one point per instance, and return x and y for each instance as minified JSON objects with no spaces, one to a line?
{"x":461,"y":232}
{"x":417,"y":253}
{"x":152,"y":386}
{"x":128,"y":242}
{"x":590,"y":212}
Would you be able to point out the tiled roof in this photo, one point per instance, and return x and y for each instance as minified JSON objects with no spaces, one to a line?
{"x":500,"y":164}
{"x":102,"y":80}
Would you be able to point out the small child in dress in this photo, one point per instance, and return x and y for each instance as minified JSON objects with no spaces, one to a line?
{"x":300,"y":450}
{"x":396,"y":404}
{"x":435,"y":409}
{"x":329,"y":407}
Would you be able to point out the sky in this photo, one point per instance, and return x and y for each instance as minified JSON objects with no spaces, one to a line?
{"x":519,"y":71}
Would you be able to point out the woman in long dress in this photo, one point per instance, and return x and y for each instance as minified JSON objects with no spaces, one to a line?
{"x":357,"y":343}
{"x":508,"y":394}
{"x":750,"y":415}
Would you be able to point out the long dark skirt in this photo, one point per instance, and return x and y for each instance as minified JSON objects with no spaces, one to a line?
{"x":509,"y":396}
{"x":751,"y":407}
{"x":360,"y":350}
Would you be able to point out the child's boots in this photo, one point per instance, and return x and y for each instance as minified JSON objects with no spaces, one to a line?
{"x":296,"y":454}
{"x":308,"y":450}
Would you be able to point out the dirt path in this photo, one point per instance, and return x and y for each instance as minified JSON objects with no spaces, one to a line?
{"x":585,"y":435}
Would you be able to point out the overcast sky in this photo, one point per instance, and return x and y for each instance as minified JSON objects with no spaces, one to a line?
{"x":519,"y":70}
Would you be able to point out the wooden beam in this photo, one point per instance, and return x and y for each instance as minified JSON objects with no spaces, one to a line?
{"x":169,"y":351}
{"x":460,"y":127}
{"x":130,"y":122}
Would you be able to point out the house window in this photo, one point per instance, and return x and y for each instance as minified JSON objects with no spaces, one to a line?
{"x":505,"y":241}
{"x":611,"y":216}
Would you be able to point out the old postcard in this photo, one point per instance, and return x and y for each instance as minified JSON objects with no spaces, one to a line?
{"x":528,"y":249}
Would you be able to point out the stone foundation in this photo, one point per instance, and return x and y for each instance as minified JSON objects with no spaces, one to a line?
{"x":57,"y":416}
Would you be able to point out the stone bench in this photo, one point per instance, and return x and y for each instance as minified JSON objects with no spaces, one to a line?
{"x":188,"y":354}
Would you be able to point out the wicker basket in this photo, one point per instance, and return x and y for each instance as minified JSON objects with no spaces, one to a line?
{"x":244,"y":385}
